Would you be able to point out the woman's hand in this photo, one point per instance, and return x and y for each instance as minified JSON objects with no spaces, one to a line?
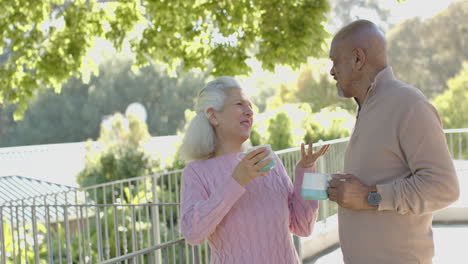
{"x":308,"y":158}
{"x":248,"y":167}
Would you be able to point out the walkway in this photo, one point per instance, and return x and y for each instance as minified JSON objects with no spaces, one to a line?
{"x":450,"y":247}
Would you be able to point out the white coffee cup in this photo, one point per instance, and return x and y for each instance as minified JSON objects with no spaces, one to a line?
{"x":314,"y":186}
{"x":270,"y":165}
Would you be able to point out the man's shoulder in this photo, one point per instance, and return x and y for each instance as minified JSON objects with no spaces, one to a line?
{"x":403,"y":93}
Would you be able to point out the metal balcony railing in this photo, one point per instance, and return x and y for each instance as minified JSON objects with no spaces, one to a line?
{"x":134,"y":220}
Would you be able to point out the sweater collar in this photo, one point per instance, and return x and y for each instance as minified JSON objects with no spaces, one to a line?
{"x":384,"y":75}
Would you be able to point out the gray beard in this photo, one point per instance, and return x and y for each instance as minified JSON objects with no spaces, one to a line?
{"x":340,"y":92}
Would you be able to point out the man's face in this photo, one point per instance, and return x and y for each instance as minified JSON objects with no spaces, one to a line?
{"x":341,"y":70}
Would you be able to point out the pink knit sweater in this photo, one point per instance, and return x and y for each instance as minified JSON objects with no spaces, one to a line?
{"x":251,"y":224}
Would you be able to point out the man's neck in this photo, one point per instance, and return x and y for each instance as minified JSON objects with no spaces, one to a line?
{"x":361,"y":98}
{"x":367,"y":83}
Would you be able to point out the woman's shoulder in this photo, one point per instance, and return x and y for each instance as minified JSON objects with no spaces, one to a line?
{"x":210,"y":163}
{"x":194,"y":166}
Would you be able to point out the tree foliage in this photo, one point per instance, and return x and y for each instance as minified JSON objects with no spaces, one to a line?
{"x":46,"y":42}
{"x":279,"y":129}
{"x":292,"y":124}
{"x":319,"y":90}
{"x":122,"y":155}
{"x":428,"y":53}
{"x":315,"y":87}
{"x":452,"y":105}
{"x":76,"y":113}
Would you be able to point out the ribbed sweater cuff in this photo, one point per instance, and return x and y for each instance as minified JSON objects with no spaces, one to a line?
{"x":387,"y":194}
{"x":299,"y":177}
{"x":231,"y":192}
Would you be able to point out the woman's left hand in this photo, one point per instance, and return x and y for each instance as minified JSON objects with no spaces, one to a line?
{"x":308,"y":158}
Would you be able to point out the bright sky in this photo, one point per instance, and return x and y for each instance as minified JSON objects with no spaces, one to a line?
{"x":412,"y":8}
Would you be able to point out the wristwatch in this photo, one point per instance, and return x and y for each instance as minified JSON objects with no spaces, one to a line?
{"x":374,"y":197}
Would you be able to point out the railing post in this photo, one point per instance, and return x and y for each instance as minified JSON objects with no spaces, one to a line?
{"x":13,"y":214}
{"x":460,"y":146}
{"x":332,"y":163}
{"x":49,"y":232}
{"x":99,"y":232}
{"x":67,"y":235}
{"x":34,"y":227}
{"x":155,"y":221}
{"x":2,"y":237}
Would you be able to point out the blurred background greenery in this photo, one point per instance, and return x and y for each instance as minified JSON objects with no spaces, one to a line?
{"x":295,"y":98}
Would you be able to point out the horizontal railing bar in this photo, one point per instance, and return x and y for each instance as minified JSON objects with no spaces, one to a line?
{"x":316,"y":144}
{"x":143,"y":251}
{"x":456,"y":130}
{"x":83,"y":189}
{"x":149,"y":230}
{"x":160,"y":174}
{"x":90,"y":205}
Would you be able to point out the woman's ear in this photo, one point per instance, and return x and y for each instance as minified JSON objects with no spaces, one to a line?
{"x":212,"y":117}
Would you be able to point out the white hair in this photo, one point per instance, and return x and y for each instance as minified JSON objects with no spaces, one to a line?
{"x":200,"y":140}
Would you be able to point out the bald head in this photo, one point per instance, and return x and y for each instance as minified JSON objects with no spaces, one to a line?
{"x":367,"y":36}
{"x":358,"y":53}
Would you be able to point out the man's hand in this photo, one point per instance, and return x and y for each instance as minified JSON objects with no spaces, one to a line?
{"x":349,"y":192}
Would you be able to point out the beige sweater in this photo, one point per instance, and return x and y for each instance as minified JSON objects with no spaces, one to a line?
{"x":397,"y":144}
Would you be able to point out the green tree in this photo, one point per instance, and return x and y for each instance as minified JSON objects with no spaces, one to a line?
{"x":76,"y":113}
{"x":46,"y":42}
{"x":318,"y":89}
{"x":6,"y":120}
{"x":293,"y":124}
{"x":451,"y":104}
{"x":21,"y":244}
{"x":427,"y":53}
{"x":122,"y":155}
{"x":315,"y":87}
{"x":328,"y":124}
{"x":57,"y":118}
{"x":280,"y":132}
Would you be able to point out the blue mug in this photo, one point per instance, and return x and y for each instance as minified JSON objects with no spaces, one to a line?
{"x":314,"y":186}
{"x":270,"y":165}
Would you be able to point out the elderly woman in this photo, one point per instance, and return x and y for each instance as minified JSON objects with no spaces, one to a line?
{"x":246,"y":214}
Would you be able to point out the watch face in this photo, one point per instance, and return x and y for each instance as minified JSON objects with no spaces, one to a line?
{"x":374,"y":198}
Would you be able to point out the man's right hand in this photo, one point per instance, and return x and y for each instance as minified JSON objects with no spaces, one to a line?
{"x":248,"y":168}
{"x":349,"y":192}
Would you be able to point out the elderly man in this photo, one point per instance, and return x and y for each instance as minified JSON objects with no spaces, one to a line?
{"x":397,"y":167}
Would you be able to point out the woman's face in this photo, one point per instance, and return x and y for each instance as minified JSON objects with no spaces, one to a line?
{"x":234,"y":121}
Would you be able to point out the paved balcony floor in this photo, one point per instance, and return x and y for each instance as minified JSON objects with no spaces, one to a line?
{"x":450,"y":247}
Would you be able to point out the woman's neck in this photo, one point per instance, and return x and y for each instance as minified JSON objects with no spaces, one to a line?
{"x":223,"y":147}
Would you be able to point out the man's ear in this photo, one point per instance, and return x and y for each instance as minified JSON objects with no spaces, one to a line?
{"x":212,"y":117}
{"x":359,"y":57}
